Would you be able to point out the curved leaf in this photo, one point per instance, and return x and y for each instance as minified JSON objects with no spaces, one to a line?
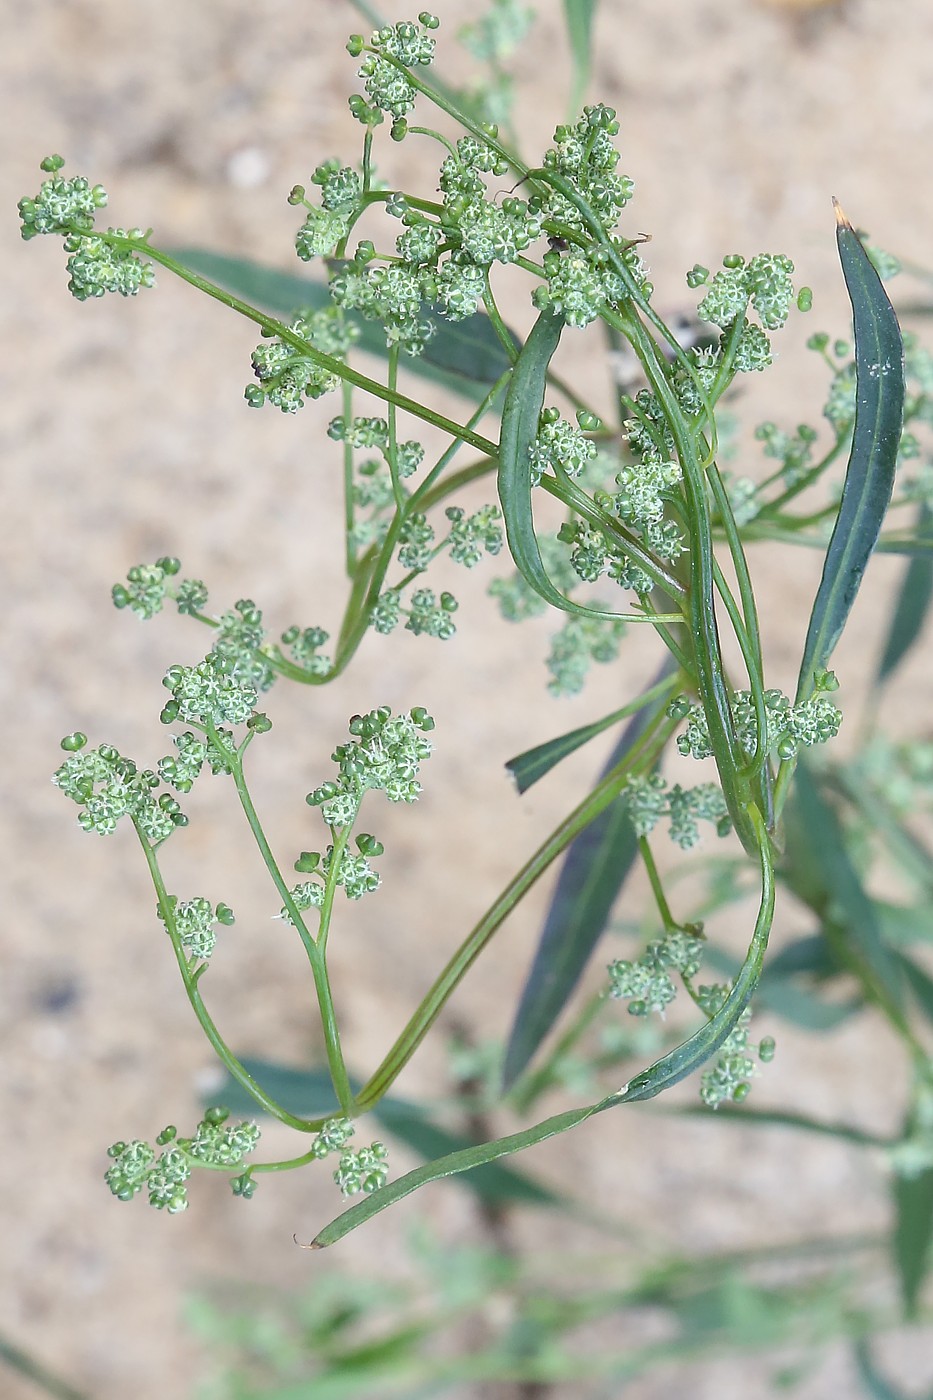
{"x":311,"y":1092}
{"x":520,"y":416}
{"x":464,"y":356}
{"x":913,"y":1233}
{"x":879,"y":372}
{"x":913,"y":603}
{"x":594,"y":870}
{"x":666,"y":1071}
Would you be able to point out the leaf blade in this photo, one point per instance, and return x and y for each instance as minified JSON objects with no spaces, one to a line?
{"x":913,"y":1233}
{"x":594,"y":869}
{"x":464,"y":356}
{"x":869,"y":481}
{"x":913,"y":604}
{"x":578,"y":19}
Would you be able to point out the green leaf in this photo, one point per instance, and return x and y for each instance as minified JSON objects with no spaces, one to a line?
{"x":578,"y":17}
{"x":776,"y":1118}
{"x":520,"y":417}
{"x":879,"y":371}
{"x":25,"y":1364}
{"x":913,"y":604}
{"x":594,"y":870}
{"x":913,"y":1231}
{"x":310,"y":1092}
{"x":465,"y":356}
{"x":666,"y":1071}
{"x":876,"y":1386}
{"x":833,"y":890}
{"x":920,"y":983}
{"x":532,"y":765}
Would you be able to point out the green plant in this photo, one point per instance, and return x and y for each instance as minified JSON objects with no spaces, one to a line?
{"x":646,"y":510}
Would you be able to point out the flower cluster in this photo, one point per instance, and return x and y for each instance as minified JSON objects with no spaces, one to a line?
{"x":107,"y":786}
{"x":729,"y":1079}
{"x":584,"y":154}
{"x":646,"y":983}
{"x":352,"y":873}
{"x":790,"y":727}
{"x":562,"y":445}
{"x":392,"y":49}
{"x":194,"y":921}
{"x":209,"y":693}
{"x":576,"y":645}
{"x":136,"y":1166}
{"x":287,"y":373}
{"x":649,"y":799}
{"x":97,"y":262}
{"x":764,"y":284}
{"x":363,"y":1170}
{"x":385,"y":755}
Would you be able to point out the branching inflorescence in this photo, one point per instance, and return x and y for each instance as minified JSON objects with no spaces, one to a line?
{"x":647,"y":514}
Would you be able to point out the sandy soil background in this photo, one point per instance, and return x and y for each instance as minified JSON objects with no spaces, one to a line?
{"x":125,"y":436}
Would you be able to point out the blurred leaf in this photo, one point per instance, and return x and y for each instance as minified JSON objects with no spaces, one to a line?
{"x":311,"y":1093}
{"x":578,"y":18}
{"x":26,"y":1365}
{"x":465,"y":356}
{"x":876,"y":1386}
{"x":833,"y":890}
{"x":920,"y":983}
{"x":779,"y":993}
{"x":594,"y":870}
{"x":879,"y":369}
{"x":776,"y":1118}
{"x":913,"y":1231}
{"x":912,"y":606}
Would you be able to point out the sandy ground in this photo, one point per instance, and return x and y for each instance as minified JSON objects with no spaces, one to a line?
{"x":125,"y":436}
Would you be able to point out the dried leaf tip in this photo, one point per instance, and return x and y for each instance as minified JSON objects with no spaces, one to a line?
{"x":312,"y":1244}
{"x":838,"y":210}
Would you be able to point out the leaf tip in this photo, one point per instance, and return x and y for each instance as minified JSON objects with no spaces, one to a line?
{"x":838,"y":210}
{"x":312,"y":1244}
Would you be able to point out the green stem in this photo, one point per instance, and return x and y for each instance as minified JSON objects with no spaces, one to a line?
{"x":657,"y":888}
{"x":190,"y":979}
{"x":638,"y":759}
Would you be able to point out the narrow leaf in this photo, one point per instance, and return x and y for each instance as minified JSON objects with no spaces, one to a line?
{"x":879,"y":372}
{"x":311,"y":1092}
{"x":520,"y":416}
{"x":913,"y":604}
{"x":666,"y":1071}
{"x":875,"y":1385}
{"x":920,"y":983}
{"x":465,"y":356}
{"x":849,"y":914}
{"x":913,"y":1232}
{"x":776,"y":1118}
{"x":578,"y":17}
{"x":594,"y":870}
{"x":532,"y":765}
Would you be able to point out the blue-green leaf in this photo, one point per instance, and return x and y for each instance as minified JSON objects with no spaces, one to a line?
{"x":875,"y":1385}
{"x":832,"y":888}
{"x":578,"y":17}
{"x":594,"y":870}
{"x":310,"y":1092}
{"x":913,"y":604}
{"x":466,"y":356}
{"x":532,"y":765}
{"x":913,"y":1232}
{"x":879,"y":370}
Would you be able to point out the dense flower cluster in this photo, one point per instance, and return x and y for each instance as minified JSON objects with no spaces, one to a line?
{"x":790,"y":727}
{"x":107,"y":787}
{"x":216,"y":1143}
{"x":646,"y":984}
{"x":650,"y":799}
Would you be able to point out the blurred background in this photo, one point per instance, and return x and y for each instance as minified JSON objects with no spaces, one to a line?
{"x":126,"y":437}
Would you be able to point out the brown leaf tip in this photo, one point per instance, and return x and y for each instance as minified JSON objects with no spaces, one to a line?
{"x":838,"y":210}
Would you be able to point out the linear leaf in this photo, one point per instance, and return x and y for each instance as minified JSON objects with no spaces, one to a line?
{"x":520,"y":416}
{"x":578,"y":18}
{"x":913,"y":604}
{"x":913,"y":1232}
{"x":594,"y":870}
{"x":311,"y":1092}
{"x":879,"y":412}
{"x":920,"y":983}
{"x":849,"y":915}
{"x":776,"y":1118}
{"x":529,"y":767}
{"x":875,"y":1385}
{"x":661,"y":1075}
{"x":465,"y":356}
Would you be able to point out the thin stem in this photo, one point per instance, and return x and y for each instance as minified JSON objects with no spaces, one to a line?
{"x":657,"y":888}
{"x":638,"y":760}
